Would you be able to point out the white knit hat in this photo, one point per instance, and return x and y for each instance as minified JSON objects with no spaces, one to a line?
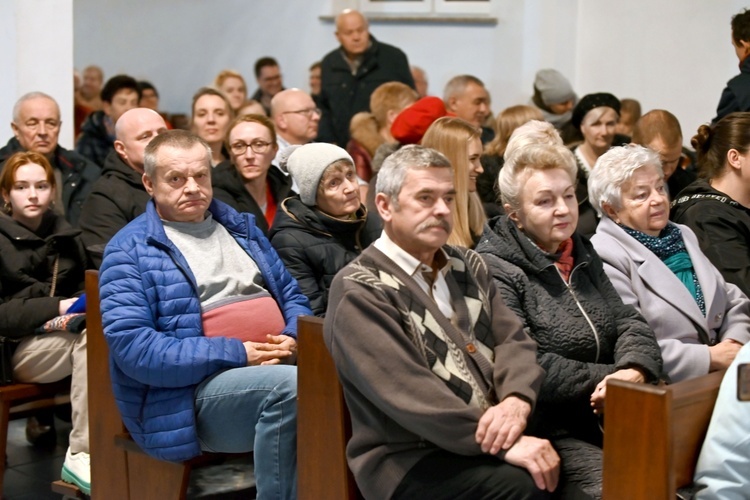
{"x":306,"y":164}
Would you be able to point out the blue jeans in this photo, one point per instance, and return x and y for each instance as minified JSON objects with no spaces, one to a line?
{"x":253,"y":408}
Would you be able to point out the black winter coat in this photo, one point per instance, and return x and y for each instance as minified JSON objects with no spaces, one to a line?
{"x":229,"y":187}
{"x":344,"y":94}
{"x":582,"y":328}
{"x":314,"y":246}
{"x":78,"y":176}
{"x":26,"y":268}
{"x":723,"y":229}
{"x":736,"y":95}
{"x":116,"y":198}
{"x":95,"y":143}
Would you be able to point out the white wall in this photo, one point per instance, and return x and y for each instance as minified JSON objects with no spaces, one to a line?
{"x":673,"y":54}
{"x":669,"y":54}
{"x":36,"y":54}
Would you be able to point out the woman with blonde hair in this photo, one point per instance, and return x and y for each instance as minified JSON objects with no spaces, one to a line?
{"x":210,"y":119}
{"x":233,"y":85}
{"x":492,"y":160}
{"x":461,"y":143}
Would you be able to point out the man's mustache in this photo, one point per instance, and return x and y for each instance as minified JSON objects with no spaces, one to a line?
{"x":430,"y":223}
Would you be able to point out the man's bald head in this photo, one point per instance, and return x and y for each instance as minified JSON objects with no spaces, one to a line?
{"x":352,"y":32}
{"x":134,"y":130}
{"x":295,"y":116}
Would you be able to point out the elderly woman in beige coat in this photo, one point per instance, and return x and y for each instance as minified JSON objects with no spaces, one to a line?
{"x":699,"y":319}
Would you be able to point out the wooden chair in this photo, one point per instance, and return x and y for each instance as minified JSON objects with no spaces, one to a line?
{"x":21,"y":400}
{"x":324,"y":425}
{"x":653,"y":435}
{"x":119,"y":468}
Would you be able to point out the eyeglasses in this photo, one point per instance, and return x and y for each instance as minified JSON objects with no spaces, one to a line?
{"x":258,"y":147}
{"x":309,"y":112}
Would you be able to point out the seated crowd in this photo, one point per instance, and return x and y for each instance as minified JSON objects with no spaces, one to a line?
{"x":481,"y":279}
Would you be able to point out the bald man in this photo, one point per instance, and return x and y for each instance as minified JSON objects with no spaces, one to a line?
{"x":352,"y":72}
{"x":295,"y":116}
{"x":36,"y":127}
{"x":119,"y":196}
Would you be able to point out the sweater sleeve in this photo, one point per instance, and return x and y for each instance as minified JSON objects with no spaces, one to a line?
{"x":130,"y":305}
{"x":516,"y":371}
{"x":382,"y":370}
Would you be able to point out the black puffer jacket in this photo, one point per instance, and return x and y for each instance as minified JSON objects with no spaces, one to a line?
{"x":78,"y":176}
{"x":314,"y":246}
{"x":116,"y":198}
{"x":583,"y":330}
{"x":723,"y":229}
{"x":229,"y":187}
{"x":26,"y":270}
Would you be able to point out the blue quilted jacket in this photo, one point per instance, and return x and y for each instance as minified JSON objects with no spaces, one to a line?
{"x":152,"y":322}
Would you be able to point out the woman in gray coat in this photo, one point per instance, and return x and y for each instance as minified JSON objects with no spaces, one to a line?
{"x":699,"y":320}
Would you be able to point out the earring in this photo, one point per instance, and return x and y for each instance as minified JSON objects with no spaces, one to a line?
{"x":7,"y":208}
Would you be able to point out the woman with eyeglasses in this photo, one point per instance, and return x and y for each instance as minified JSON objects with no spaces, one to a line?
{"x":246,"y":181}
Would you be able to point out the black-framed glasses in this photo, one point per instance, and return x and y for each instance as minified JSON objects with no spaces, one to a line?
{"x":309,"y":112}
{"x":259,"y":147}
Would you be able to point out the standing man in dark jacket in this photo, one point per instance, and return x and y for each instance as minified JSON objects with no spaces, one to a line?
{"x":36,"y":127}
{"x":352,"y":72}
{"x":119,"y":196}
{"x":736,"y":95}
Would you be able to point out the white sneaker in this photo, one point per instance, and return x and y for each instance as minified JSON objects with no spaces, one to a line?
{"x":77,"y":470}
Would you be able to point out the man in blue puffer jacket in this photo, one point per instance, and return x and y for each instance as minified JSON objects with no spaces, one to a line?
{"x":201,"y":317}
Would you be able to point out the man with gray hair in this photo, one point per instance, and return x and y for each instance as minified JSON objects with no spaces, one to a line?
{"x":447,"y":421}
{"x":466,"y":97}
{"x":119,"y":196}
{"x":36,"y":127}
{"x":201,"y":319}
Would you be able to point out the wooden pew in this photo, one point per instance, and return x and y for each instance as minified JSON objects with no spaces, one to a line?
{"x":653,"y":435}
{"x":323,"y":424}
{"x":119,"y":468}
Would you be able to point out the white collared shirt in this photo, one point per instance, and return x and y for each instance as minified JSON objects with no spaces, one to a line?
{"x":440,"y":292}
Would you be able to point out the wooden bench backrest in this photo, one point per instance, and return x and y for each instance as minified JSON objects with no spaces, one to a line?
{"x":653,"y":435}
{"x":108,"y":461}
{"x":323,"y":424}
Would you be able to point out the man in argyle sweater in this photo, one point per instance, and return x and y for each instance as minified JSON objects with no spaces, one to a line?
{"x":437,"y":372}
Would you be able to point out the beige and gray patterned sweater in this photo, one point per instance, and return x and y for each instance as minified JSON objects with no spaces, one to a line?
{"x":415,"y":381}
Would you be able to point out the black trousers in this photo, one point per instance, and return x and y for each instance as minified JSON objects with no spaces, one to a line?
{"x":445,"y":475}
